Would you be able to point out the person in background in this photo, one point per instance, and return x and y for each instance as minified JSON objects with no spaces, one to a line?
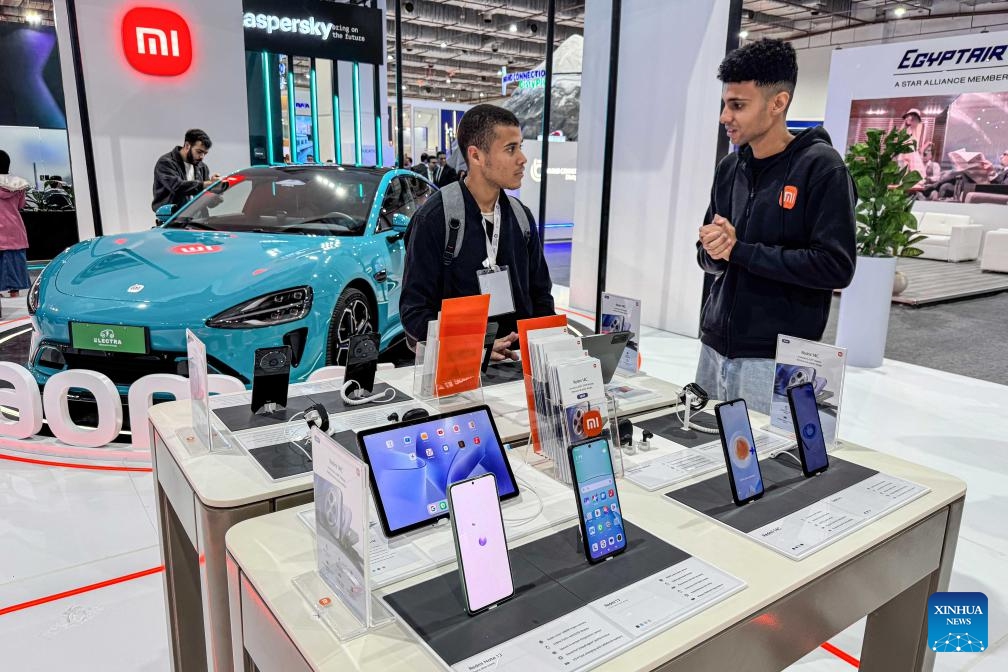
{"x":13,"y":237}
{"x":1001,"y":176}
{"x":779,"y":234}
{"x":443,"y":173}
{"x":181,"y":173}
{"x":422,"y":166}
{"x":932,"y":169}
{"x":491,"y":138}
{"x":407,"y":161}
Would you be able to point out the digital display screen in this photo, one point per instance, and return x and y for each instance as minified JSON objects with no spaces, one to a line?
{"x":597,"y":499}
{"x":808,"y":429}
{"x":412,"y":465}
{"x":741,"y":449}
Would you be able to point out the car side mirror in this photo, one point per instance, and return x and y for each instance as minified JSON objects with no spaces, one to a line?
{"x":400,"y":222}
{"x":164,"y":213}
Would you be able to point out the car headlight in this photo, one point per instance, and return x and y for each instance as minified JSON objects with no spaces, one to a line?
{"x":265,"y":311}
{"x":33,"y":295}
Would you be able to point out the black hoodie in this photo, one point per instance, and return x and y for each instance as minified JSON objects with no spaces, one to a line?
{"x":170,"y":183}
{"x":795,"y":228}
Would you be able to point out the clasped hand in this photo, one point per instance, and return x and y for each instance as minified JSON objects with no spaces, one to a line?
{"x":718,"y":238}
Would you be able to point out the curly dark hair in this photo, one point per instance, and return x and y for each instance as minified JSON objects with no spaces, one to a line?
{"x":771,"y":64}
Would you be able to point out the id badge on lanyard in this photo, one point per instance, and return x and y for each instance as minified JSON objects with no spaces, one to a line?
{"x":493,"y":279}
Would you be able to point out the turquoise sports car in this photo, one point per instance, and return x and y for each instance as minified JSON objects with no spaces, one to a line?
{"x":305,"y":255}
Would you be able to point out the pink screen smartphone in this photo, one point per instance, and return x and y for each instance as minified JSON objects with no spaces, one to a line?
{"x":480,"y":544}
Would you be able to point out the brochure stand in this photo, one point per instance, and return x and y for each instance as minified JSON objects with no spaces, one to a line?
{"x":198,"y":436}
{"x":342,"y":544}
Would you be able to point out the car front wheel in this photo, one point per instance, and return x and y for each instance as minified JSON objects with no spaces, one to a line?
{"x":351,"y":316}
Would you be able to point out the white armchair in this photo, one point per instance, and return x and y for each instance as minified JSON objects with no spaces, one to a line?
{"x":949,"y":237}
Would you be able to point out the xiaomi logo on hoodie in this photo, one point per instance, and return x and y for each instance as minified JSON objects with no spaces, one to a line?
{"x":788,"y":197}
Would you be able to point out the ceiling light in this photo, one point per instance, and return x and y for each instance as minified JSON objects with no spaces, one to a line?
{"x":899,"y":12}
{"x":444,"y":45}
{"x":443,"y":99}
{"x":743,"y":34}
{"x":533,"y":28}
{"x":408,"y":6}
{"x":33,"y":18}
{"x":482,"y":95}
{"x":447,"y":80}
{"x":513,"y":28}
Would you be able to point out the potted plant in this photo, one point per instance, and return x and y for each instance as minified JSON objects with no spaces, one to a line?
{"x":886,"y":229}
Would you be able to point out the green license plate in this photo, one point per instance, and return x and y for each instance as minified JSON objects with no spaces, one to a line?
{"x":108,"y":337}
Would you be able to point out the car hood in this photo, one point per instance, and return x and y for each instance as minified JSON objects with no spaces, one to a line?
{"x":164,"y":265}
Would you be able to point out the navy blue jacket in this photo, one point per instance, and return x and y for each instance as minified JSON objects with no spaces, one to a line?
{"x":788,"y":260}
{"x":426,"y":280}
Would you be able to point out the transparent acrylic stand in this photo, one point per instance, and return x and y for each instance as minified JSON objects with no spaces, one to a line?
{"x":425,"y":378}
{"x":329,"y":609}
{"x":196,"y":444}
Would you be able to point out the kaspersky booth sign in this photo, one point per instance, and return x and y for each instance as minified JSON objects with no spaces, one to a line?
{"x":332,"y":30}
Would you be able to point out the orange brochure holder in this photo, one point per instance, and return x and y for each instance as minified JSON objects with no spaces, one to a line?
{"x":460,"y":350}
{"x":524,"y":327}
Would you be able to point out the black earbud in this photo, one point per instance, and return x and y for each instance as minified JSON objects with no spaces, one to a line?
{"x":393,"y":417}
{"x":415,"y":414}
{"x":625,"y":431}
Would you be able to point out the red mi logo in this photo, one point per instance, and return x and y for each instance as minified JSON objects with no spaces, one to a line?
{"x":788,"y":197}
{"x":195,"y":248}
{"x":156,"y":41}
{"x":592,"y":423}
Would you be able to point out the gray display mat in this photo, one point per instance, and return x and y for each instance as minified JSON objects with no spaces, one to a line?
{"x":670,"y":427}
{"x":238,"y":418}
{"x":785,"y":491}
{"x":284,"y":460}
{"x":552,"y":578}
{"x":505,"y":372}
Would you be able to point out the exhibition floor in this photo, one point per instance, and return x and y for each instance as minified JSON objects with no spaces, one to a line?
{"x":69,"y":528}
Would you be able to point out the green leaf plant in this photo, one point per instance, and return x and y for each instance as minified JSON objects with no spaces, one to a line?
{"x":885,"y":225}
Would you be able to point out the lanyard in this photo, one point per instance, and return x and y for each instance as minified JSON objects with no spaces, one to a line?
{"x":492,"y":243}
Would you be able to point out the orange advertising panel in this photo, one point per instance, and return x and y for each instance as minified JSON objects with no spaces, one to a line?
{"x":524,"y":327}
{"x":460,"y":344}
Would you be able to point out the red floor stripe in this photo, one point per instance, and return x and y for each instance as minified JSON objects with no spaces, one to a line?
{"x":78,"y":591}
{"x":574,"y":312}
{"x":841,"y":654}
{"x":72,"y":465}
{"x":16,"y":319}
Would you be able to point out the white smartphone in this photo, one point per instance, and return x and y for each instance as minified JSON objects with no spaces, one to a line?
{"x":480,"y":544}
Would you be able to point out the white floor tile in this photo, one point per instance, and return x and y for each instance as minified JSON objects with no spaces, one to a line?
{"x":55,"y":518}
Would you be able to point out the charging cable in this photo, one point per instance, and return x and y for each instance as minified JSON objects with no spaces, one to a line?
{"x":539,"y":505}
{"x":382,"y":398}
{"x":688,"y":401}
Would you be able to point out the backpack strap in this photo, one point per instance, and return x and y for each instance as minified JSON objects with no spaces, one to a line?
{"x":523,"y":222}
{"x":454,"y":217}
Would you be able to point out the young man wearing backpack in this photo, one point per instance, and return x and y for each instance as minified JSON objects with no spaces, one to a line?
{"x":471,"y":238}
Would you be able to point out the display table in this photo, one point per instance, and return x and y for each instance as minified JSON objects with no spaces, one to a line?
{"x":885,"y":570}
{"x":199,"y":497}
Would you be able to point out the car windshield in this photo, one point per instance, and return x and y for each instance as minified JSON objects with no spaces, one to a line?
{"x":299,"y":201}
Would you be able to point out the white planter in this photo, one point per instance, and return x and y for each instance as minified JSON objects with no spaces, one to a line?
{"x":864,"y":311}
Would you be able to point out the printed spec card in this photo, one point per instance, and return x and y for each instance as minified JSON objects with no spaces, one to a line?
{"x":802,"y":361}
{"x":621,"y":313}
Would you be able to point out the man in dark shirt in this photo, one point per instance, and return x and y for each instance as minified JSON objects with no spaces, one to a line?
{"x":491,"y":139}
{"x":181,"y":174}
{"x":443,"y":173}
{"x":779,"y":233}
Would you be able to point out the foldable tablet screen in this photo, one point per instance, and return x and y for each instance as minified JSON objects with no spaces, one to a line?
{"x":412,"y":465}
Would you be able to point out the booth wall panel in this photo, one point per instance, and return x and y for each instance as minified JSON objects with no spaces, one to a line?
{"x":135,"y":118}
{"x":663,"y":159}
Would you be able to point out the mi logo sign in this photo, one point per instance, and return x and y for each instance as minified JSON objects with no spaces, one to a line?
{"x":592,"y":423}
{"x":157,"y":41}
{"x":788,"y":197}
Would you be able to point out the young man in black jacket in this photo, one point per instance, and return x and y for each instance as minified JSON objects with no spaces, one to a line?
{"x":181,"y":174}
{"x":779,"y":233}
{"x":491,"y":138}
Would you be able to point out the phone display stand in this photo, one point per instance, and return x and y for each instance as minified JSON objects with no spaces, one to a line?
{"x":425,"y":375}
{"x":324,"y":604}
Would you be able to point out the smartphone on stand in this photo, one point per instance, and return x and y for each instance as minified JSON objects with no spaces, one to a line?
{"x":739,"y":451}
{"x":599,"y":512}
{"x":271,"y":378}
{"x":808,"y":428}
{"x":362,"y":363}
{"x":480,"y":544}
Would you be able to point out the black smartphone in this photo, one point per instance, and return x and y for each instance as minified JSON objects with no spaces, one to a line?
{"x":600,"y":515}
{"x":739,"y":450}
{"x":362,"y":363}
{"x":271,"y":377}
{"x":808,"y":428}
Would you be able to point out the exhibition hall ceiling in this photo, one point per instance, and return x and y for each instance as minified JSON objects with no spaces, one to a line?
{"x":795,"y":19}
